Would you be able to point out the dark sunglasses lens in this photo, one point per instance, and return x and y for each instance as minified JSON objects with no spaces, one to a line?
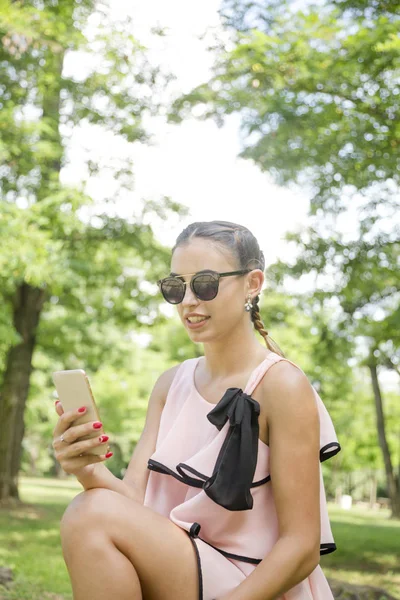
{"x":205,"y":286}
{"x":173,"y":290}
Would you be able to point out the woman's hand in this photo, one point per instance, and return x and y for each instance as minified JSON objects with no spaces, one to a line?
{"x":70,"y":453}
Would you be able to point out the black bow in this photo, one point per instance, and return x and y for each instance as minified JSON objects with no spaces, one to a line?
{"x":230,"y":483}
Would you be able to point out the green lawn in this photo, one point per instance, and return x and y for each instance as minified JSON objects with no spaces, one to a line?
{"x":368,"y":549}
{"x":30,"y":540}
{"x":30,"y":544}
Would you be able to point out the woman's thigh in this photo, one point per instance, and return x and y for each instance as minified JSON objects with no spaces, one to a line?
{"x":160,"y":551}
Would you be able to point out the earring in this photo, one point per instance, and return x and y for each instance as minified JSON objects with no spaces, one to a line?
{"x":248,"y":305}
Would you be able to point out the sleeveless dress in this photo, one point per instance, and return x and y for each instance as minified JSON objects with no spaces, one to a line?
{"x":209,"y":474}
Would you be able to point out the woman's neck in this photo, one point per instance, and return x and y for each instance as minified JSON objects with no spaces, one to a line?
{"x":236,"y":354}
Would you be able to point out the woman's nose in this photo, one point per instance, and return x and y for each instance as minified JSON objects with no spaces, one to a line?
{"x":189,"y":297}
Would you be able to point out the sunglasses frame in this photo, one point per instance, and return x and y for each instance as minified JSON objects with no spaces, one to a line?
{"x":204,"y":272}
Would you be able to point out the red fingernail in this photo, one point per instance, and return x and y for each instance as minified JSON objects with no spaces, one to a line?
{"x":82,"y":409}
{"x":56,"y":402}
{"x":109,"y":454}
{"x":97,"y":425}
{"x":103,"y":438}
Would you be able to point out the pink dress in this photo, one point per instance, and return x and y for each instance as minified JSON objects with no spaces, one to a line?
{"x":210,"y":476}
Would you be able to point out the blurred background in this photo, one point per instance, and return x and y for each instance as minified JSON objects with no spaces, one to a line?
{"x":120,"y":124}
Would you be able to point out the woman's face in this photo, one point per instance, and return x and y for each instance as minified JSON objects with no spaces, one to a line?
{"x":226,"y":310}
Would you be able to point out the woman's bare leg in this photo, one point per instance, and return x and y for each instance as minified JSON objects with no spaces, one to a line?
{"x":97,"y":569}
{"x":118,"y":549}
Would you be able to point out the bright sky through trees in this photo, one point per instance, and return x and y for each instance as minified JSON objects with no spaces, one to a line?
{"x":194,"y":163}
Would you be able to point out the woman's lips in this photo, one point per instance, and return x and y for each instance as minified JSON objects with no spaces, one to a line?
{"x":197,"y":325}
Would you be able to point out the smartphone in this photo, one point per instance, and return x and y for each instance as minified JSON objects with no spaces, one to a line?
{"x":73,"y":389}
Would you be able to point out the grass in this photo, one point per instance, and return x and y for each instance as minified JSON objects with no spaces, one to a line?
{"x":368,"y":548}
{"x":30,"y":544}
{"x":30,"y":541}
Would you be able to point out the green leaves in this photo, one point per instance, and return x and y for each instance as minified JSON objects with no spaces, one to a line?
{"x":315,"y":90}
{"x":53,"y":235}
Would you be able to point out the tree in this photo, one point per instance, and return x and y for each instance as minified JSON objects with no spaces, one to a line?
{"x":317,"y":90}
{"x":67,"y":268}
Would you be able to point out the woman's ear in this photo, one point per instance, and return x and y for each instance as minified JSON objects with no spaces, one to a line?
{"x":255,"y":282}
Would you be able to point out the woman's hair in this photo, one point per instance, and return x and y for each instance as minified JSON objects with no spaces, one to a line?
{"x":243,"y":246}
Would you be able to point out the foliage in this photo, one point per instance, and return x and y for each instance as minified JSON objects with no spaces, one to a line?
{"x":56,"y":237}
{"x":90,"y":262}
{"x":318,"y":96}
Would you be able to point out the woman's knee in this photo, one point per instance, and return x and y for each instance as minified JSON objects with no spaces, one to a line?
{"x":88,"y":509}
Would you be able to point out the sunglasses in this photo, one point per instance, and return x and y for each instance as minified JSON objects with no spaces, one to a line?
{"x":203,"y":284}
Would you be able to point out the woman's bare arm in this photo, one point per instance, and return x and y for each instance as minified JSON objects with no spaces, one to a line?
{"x":135,"y":479}
{"x":294,"y":441}
{"x":137,"y":473}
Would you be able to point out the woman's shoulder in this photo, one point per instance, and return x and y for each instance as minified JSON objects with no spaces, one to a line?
{"x":285,"y":380}
{"x":284,"y":370}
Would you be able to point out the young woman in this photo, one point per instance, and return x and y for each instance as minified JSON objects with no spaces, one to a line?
{"x":223,"y":497}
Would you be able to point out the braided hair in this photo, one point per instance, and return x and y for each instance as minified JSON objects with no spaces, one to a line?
{"x":243,"y":245}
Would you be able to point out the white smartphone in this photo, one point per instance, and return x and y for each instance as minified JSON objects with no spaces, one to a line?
{"x":73,"y":389}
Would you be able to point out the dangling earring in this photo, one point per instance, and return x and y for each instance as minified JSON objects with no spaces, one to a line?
{"x":248,"y":305}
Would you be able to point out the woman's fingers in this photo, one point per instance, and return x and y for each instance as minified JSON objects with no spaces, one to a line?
{"x":77,"y":448}
{"x":66,"y":450}
{"x":71,"y":453}
{"x":76,"y":432}
{"x":72,"y":465}
{"x":66,"y":419}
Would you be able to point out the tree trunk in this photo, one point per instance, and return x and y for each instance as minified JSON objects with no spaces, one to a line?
{"x":372,"y":490}
{"x":392,"y":480}
{"x":27,"y":306}
{"x":57,"y":470}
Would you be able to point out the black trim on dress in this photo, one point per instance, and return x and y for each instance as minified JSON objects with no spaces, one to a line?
{"x":195,"y":530}
{"x":323,"y":455}
{"x":247,"y":559}
{"x":194,"y":533}
{"x":154,"y":465}
{"x":186,"y":477}
{"x":327,"y":548}
{"x":194,"y":471}
{"x":199,"y":569}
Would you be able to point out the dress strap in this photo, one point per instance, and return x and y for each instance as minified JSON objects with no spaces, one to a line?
{"x":262,"y":368}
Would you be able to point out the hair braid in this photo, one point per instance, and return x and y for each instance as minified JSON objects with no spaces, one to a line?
{"x":256,"y":318}
{"x":259,"y":326}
